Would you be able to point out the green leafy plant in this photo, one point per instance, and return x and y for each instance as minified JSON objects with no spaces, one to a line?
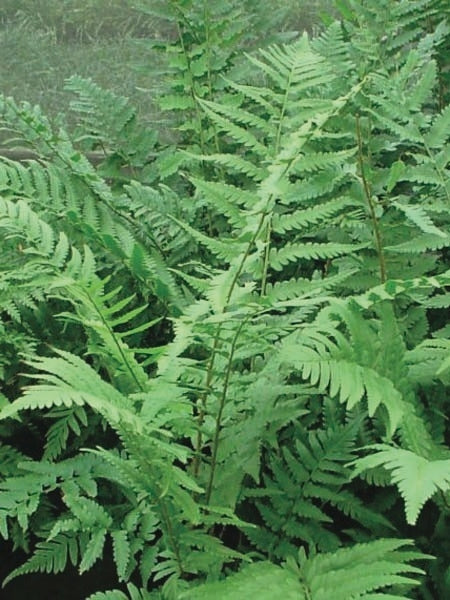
{"x":234,"y":340}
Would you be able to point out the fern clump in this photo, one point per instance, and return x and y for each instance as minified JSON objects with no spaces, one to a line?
{"x":230,"y":350}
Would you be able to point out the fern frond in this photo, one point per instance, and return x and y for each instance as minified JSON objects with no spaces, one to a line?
{"x":291,"y":252}
{"x":133,"y":594}
{"x":72,"y":382}
{"x":121,"y":552}
{"x":283,"y":223}
{"x":294,"y":67}
{"x":420,"y":218}
{"x":49,"y":557}
{"x":259,"y":580}
{"x":364,"y":570}
{"x":67,"y":420}
{"x":238,"y":133}
{"x":93,"y":550}
{"x":439,"y":132}
{"x":417,"y":478}
{"x":233,"y":162}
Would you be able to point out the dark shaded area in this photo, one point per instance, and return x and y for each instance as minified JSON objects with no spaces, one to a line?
{"x":68,"y":585}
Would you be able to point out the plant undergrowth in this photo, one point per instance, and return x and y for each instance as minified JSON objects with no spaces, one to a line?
{"x":229,"y":356}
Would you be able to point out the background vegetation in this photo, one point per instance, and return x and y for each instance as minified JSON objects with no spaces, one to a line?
{"x":224,"y":348}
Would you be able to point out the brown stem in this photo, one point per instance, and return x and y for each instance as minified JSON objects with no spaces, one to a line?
{"x":215,"y":446}
{"x":210,"y":369}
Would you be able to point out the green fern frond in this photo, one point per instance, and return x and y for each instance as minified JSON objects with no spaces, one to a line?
{"x":439,"y":132}
{"x":294,"y":67}
{"x":417,"y":478}
{"x":260,"y":580}
{"x":133,"y":594}
{"x":67,"y":420}
{"x":304,"y":484}
{"x":283,"y":223}
{"x":233,"y":162}
{"x":292,"y":289}
{"x":110,"y":595}
{"x":373,"y":567}
{"x":331,"y":44}
{"x":121,"y":552}
{"x":240,"y":134}
{"x":364,"y":570}
{"x":49,"y":557}
{"x":316,"y":161}
{"x":72,"y":382}
{"x":420,"y":218}
{"x":344,"y":377}
{"x":225,"y":249}
{"x":93,"y":550}
{"x":112,"y":111}
{"x":292,"y":252}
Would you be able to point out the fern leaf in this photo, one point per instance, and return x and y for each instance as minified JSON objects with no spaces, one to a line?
{"x":361,"y":571}
{"x":93,"y":550}
{"x":238,"y":133}
{"x":292,"y":252}
{"x":121,"y":552}
{"x":57,"y":436}
{"x":233,"y":162}
{"x":419,"y":217}
{"x":260,"y":580}
{"x":347,"y":379}
{"x":49,"y":557}
{"x":110,"y":595}
{"x":226,"y":250}
{"x":315,"y":161}
{"x":133,"y":594}
{"x":423,"y":88}
{"x":282,"y":223}
{"x":417,"y":478}
{"x":439,"y":132}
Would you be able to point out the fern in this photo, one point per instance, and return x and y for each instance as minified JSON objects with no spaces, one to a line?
{"x":133,"y":594}
{"x":201,"y":335}
{"x":306,"y":482}
{"x":373,"y":566}
{"x":416,"y":477}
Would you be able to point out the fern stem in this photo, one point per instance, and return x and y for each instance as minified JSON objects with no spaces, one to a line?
{"x":203,"y":399}
{"x":370,"y":202}
{"x":244,"y":258}
{"x":266,"y":258}
{"x":171,"y":536}
{"x":223,"y":397}
{"x":210,"y":369}
{"x":206,"y":20}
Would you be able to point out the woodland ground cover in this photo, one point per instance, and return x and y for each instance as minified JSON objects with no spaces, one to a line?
{"x":224,"y":349}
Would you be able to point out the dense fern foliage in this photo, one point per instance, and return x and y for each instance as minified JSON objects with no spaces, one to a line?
{"x":229,"y":355}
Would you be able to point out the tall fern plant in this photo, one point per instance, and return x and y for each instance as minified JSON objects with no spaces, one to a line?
{"x":300,"y":354}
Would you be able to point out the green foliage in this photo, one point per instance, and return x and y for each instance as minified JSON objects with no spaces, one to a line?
{"x":416,"y":477}
{"x":203,"y":339}
{"x":362,"y":571}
